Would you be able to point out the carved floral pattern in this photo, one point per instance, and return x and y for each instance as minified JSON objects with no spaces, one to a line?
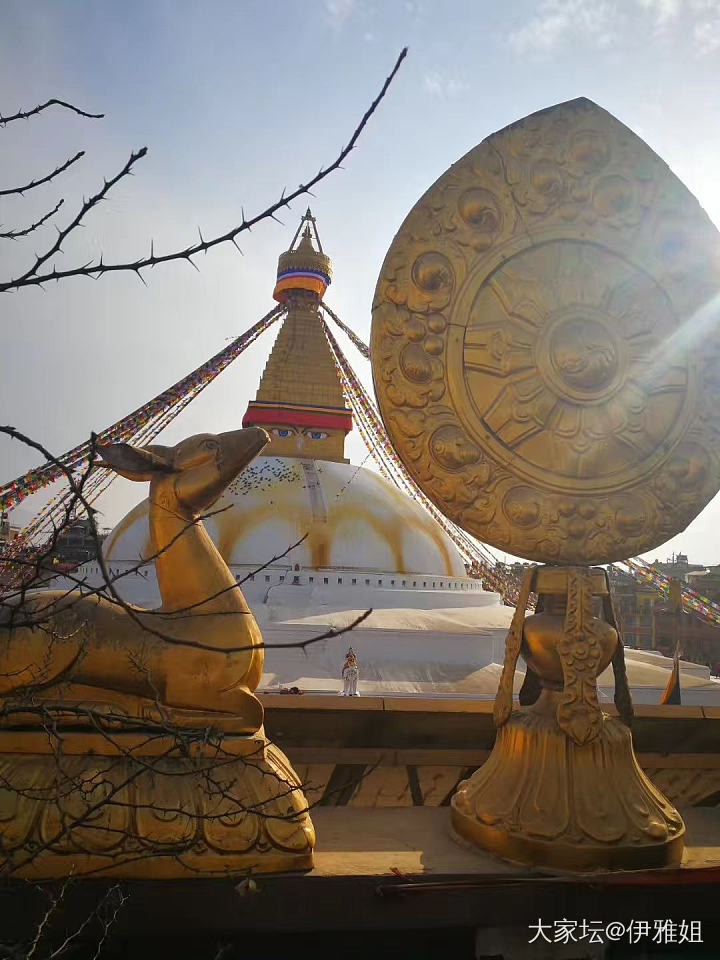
{"x":167,"y":820}
{"x":592,"y":801}
{"x":544,"y":347}
{"x":578,"y":713}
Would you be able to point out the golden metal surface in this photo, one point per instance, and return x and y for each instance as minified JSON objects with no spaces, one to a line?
{"x":301,"y":370}
{"x":562,"y":787}
{"x":542,"y":345}
{"x":76,"y":654}
{"x":545,"y":359}
{"x":545,"y":800}
{"x":167,"y":819}
{"x":300,"y":400}
{"x":95,"y":655}
{"x":305,"y":257}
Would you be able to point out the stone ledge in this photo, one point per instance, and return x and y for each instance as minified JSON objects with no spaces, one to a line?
{"x":420,"y":704}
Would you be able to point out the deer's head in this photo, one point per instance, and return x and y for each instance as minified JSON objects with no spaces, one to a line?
{"x":188,"y":478}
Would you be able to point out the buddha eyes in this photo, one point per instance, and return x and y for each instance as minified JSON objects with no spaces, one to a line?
{"x":289,"y":432}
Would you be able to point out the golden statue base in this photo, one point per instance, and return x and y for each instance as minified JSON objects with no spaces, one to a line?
{"x":542,"y":799}
{"x":139,"y":805}
{"x":562,"y":788}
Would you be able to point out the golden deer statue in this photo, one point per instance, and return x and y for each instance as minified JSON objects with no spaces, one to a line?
{"x":200,"y":651}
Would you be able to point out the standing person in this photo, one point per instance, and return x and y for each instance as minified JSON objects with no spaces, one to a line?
{"x":350,"y":675}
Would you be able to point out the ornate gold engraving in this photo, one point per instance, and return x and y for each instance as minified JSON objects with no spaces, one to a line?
{"x":543,"y":799}
{"x":145,"y":815}
{"x":544,"y":364}
{"x":178,"y":676}
{"x":562,"y":786}
{"x":541,"y":351}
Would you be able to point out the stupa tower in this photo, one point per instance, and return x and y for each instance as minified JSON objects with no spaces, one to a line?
{"x":300,"y":400}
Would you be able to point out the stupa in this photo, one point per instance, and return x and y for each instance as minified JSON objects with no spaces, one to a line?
{"x":433,"y":630}
{"x":380,"y":772}
{"x":366,"y":544}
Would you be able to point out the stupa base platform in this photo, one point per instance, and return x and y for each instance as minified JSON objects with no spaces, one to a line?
{"x":148,"y":805}
{"x":543,"y":800}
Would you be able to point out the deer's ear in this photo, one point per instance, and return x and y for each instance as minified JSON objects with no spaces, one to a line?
{"x":133,"y":463}
{"x":163,"y":453}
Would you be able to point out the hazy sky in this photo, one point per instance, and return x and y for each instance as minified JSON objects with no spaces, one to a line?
{"x":236,"y":100}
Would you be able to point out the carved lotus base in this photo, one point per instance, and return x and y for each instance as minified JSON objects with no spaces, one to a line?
{"x":543,"y":800}
{"x":132,"y":805}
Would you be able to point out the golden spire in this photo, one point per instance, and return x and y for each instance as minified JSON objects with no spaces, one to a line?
{"x":302,"y":267}
{"x":300,"y":400}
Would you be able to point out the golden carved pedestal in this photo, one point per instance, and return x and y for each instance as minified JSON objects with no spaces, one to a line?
{"x":132,"y":805}
{"x":546,"y":370}
{"x":562,"y":787}
{"x":131,"y":742}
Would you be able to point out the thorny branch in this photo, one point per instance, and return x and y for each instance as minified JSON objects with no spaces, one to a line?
{"x":63,"y":234}
{"x":32,"y":277}
{"x":89,"y":933}
{"x":16,"y":234}
{"x":24,"y":114}
{"x":138,"y":616}
{"x":86,"y":798}
{"x":46,"y":179}
{"x":103,"y":789}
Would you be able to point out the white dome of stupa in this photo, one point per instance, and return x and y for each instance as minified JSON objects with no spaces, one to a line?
{"x":354,"y":520}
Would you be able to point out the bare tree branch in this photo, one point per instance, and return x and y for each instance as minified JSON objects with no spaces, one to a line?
{"x":27,"y":278}
{"x":76,"y":487}
{"x":47,"y":179}
{"x":80,"y":793}
{"x":24,"y":114}
{"x":296,"y":644}
{"x":16,"y":234}
{"x":140,"y":617}
{"x":85,"y":590}
{"x":32,"y":278}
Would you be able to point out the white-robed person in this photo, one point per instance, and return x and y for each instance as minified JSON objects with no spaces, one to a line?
{"x":350,"y":675}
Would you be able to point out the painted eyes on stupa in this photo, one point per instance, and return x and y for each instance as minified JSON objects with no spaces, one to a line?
{"x":289,"y":432}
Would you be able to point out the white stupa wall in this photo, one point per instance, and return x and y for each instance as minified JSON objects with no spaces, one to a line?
{"x":351,"y":518}
{"x":447,"y":641}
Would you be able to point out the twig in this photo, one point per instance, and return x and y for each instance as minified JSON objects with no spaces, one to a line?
{"x":24,"y":114}
{"x":135,"y":614}
{"x":32,"y":278}
{"x":51,"y":176}
{"x":27,"y":277}
{"x":16,"y":234}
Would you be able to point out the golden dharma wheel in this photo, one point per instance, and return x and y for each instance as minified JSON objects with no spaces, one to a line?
{"x":546,"y":342}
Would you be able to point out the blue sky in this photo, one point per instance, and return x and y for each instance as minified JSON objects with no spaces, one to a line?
{"x":236,"y":100}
